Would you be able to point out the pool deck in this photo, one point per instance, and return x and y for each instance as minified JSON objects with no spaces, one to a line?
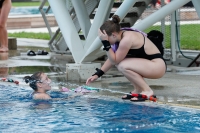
{"x":179,"y":86}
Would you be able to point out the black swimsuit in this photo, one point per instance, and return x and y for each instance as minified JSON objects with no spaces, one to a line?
{"x":140,"y":53}
{"x":1,"y":3}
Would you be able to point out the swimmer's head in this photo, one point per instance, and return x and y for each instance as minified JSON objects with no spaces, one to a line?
{"x":112,"y":25}
{"x":38,"y":80}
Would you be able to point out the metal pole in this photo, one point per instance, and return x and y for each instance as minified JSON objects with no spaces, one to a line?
{"x":163,"y":24}
{"x":124,"y":8}
{"x":101,"y":15}
{"x":173,"y":37}
{"x":42,"y":4}
{"x":102,"y":9}
{"x":67,"y":28}
{"x":45,"y":18}
{"x":196,"y":4}
{"x":161,"y":13}
{"x":178,"y":42}
{"x":82,"y":15}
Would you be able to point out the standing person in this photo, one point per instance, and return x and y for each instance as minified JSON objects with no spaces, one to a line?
{"x":153,"y":4}
{"x":40,"y":83}
{"x":158,"y":4}
{"x":135,"y":56}
{"x":5,"y":6}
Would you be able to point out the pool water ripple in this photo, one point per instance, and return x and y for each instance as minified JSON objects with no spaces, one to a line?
{"x":27,"y":10}
{"x":86,"y":114}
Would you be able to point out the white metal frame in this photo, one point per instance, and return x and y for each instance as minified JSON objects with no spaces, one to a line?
{"x":90,"y":49}
{"x":96,"y":45}
{"x":67,"y":28}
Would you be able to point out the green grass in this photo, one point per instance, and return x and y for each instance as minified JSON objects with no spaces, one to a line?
{"x":20,"y":4}
{"x":189,"y":36}
{"x":29,"y":69}
{"x":44,"y":36}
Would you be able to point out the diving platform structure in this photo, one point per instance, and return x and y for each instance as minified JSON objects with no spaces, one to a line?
{"x":79,"y":21}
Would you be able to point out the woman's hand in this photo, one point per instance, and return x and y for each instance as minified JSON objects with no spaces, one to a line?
{"x":91,"y":79}
{"x":102,"y":35}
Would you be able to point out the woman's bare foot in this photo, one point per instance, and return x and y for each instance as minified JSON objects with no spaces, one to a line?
{"x":3,"y":49}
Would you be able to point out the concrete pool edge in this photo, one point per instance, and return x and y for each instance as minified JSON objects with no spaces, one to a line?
{"x":113,"y":98}
{"x":171,"y":85}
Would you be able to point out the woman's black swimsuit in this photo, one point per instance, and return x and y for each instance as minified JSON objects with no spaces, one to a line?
{"x":1,"y":3}
{"x":140,"y":53}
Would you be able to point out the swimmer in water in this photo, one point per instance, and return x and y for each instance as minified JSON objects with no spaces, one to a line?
{"x":40,"y":83}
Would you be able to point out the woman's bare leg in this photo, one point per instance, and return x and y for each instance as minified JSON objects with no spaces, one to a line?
{"x":136,"y":89}
{"x":138,"y":80}
{"x":3,"y":31}
{"x":134,"y":69}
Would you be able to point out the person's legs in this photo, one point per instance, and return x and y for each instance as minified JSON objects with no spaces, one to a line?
{"x":134,"y":69}
{"x":138,"y":81}
{"x":136,"y":89}
{"x":4,"y":70}
{"x":3,"y":31}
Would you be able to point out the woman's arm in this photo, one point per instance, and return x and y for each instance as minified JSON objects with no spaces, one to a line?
{"x":120,"y":54}
{"x":115,"y":57}
{"x":106,"y":66}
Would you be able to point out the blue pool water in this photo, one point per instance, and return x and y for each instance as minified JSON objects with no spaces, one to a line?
{"x":27,"y":11}
{"x":86,"y":113}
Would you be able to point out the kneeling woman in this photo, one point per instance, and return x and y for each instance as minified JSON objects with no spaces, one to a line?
{"x":40,"y":83}
{"x":136,"y":57}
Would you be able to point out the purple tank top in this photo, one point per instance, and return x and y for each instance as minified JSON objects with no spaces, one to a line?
{"x":116,"y":45}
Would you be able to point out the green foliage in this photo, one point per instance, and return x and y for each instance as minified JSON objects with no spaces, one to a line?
{"x":20,"y":4}
{"x":189,"y":37}
{"x":29,"y":69}
{"x":44,"y":36}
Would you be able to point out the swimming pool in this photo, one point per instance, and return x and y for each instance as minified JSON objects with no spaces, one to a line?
{"x":27,"y":11}
{"x":89,"y":113}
